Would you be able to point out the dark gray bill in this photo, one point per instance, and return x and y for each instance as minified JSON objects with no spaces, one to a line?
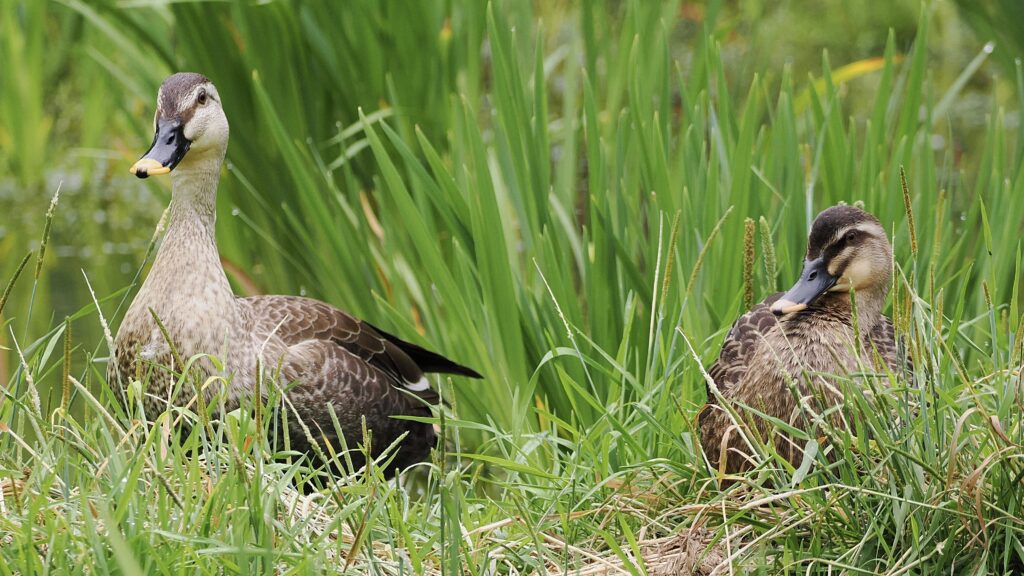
{"x":814,"y":281}
{"x":168,"y":148}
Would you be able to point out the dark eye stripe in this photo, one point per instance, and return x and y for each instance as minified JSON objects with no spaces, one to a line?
{"x":858,"y":238}
{"x":832,"y":251}
{"x":851,"y":239}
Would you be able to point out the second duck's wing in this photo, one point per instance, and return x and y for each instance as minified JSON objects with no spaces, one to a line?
{"x":740,"y":342}
{"x":728,"y":371}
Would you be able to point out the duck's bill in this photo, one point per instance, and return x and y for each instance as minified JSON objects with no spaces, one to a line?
{"x":168,"y":148}
{"x":814,"y":281}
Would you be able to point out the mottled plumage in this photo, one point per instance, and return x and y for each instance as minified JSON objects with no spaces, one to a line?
{"x":805,"y":337}
{"x":325,"y":359}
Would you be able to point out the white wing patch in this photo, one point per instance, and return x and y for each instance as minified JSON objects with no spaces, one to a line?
{"x":418,"y":386}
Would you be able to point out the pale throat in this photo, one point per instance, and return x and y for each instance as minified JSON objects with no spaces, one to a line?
{"x":870,"y":300}
{"x":194,"y":189}
{"x":188,"y":262}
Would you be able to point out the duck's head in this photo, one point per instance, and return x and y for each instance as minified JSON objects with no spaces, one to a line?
{"x":847,"y":250}
{"x":189,"y":120}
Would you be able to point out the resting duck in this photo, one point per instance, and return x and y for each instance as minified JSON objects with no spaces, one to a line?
{"x":323,"y":357}
{"x":803,"y":336}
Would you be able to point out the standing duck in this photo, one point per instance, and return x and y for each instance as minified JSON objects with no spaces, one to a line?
{"x":326,"y":360}
{"x":807,"y":337}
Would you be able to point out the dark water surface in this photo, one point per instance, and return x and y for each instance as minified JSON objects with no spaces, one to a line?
{"x":102,"y":226}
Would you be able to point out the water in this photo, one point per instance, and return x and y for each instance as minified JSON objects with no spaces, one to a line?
{"x":102,"y":225}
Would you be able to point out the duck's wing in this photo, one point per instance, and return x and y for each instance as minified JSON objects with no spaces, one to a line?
{"x":323,"y":374}
{"x":730,"y":369}
{"x":739,"y":344}
{"x":300,"y":321}
{"x":427,"y":361}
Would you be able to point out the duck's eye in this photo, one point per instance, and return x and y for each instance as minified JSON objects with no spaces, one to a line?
{"x":851,"y":236}
{"x":201,"y":99}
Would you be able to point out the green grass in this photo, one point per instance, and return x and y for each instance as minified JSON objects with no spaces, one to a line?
{"x":564,"y":211}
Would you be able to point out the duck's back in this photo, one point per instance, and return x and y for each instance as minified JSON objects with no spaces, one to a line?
{"x":762,"y":354}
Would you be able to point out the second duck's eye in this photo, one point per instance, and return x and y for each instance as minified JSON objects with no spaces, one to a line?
{"x":851,"y":236}
{"x":201,"y":99}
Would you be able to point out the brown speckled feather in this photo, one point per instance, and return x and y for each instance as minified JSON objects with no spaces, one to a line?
{"x":747,"y":331}
{"x":883,"y":339}
{"x":338,"y":361}
{"x":325,"y":377}
{"x":760,"y":348}
{"x":297,"y":320}
{"x":740,"y":342}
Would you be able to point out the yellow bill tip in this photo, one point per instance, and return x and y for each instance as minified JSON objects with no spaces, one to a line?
{"x":784,"y":306}
{"x":148,"y":167}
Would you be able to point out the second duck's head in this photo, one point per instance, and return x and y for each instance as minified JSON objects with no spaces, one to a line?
{"x":847,"y":250}
{"x":189,"y":121}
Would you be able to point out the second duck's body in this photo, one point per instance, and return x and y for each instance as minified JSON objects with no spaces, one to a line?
{"x":807,"y":338}
{"x":328,"y":361}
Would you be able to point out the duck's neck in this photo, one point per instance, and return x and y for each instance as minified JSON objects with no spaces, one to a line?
{"x":188,"y":263}
{"x":869,"y":307}
{"x":194,"y":204}
{"x":869,"y":304}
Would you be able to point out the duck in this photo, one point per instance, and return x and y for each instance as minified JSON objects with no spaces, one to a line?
{"x":325,"y":362}
{"x":828,"y":327}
